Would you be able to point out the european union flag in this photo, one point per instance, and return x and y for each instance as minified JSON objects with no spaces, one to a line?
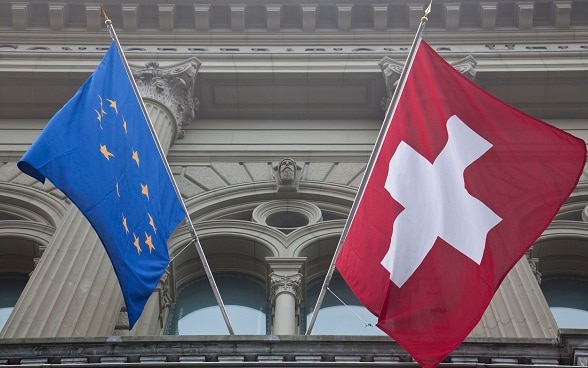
{"x":98,"y":150}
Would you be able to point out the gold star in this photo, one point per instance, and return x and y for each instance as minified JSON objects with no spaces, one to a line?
{"x":125,"y":223}
{"x":136,"y":244}
{"x":145,"y":190}
{"x":101,"y":107}
{"x":135,"y":157}
{"x":113,"y":105}
{"x":125,"y":124}
{"x":152,"y":223}
{"x":99,"y":117}
{"x":149,"y":242}
{"x":105,"y":152}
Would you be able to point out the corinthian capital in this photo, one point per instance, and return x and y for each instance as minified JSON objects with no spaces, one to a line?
{"x":285,"y":284}
{"x":391,"y":69}
{"x":172,"y":86}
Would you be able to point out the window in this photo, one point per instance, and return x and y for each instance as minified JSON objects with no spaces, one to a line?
{"x":567,"y":300}
{"x":332,"y":312}
{"x":11,"y":286}
{"x":196,"y":311}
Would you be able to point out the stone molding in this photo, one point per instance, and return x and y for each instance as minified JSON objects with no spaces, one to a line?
{"x":288,"y":351}
{"x":172,"y":86}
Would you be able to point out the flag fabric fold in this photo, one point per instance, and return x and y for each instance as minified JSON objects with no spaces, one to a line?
{"x":462,"y":186}
{"x":98,"y":150}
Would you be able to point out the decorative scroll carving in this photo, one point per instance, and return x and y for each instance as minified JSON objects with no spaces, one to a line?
{"x":533,"y":263}
{"x":287,"y":174}
{"x":165,"y":284}
{"x":392,"y":70}
{"x":286,"y":284}
{"x":173,"y":87}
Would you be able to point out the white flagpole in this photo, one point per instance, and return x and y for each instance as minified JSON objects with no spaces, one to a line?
{"x":201,"y":254}
{"x":371,"y":162}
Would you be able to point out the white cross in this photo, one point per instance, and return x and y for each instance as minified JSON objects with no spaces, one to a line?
{"x":436,"y":202}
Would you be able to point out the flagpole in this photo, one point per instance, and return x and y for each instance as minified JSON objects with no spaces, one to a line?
{"x":371,"y":162}
{"x":201,"y":254}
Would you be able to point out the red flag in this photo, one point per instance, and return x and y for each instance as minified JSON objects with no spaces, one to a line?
{"x":461,"y":187}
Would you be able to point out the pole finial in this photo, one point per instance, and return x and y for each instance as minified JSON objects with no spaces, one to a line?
{"x":427,"y":11}
{"x":107,"y":20}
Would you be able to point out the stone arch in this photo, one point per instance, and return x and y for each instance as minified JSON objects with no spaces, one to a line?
{"x":317,"y":243}
{"x":237,"y":237}
{"x":31,"y":204}
{"x":575,"y":207}
{"x":559,"y":259}
{"x":21,"y":245}
{"x":229,"y":246}
{"x":222,"y":201}
{"x":562,"y":249}
{"x":211,"y":212}
{"x":28,"y":223}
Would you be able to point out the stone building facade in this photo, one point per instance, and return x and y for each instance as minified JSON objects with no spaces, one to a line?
{"x":268,"y":111}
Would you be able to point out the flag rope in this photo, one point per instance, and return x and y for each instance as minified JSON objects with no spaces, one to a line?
{"x":181,"y":251}
{"x":195,"y":239}
{"x":367,"y":324}
{"x":371,"y":164}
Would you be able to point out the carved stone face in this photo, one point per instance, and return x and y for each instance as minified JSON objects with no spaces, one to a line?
{"x":287,"y":170}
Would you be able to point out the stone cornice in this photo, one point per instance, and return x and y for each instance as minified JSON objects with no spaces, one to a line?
{"x":268,"y":16}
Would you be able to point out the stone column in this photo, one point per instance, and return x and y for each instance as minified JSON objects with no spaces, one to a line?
{"x":285,"y":279}
{"x":168,"y":93}
{"x":73,"y":291}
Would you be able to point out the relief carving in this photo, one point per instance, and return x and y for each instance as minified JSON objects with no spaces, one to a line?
{"x":173,"y":87}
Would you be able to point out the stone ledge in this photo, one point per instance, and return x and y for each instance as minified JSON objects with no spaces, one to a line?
{"x":262,"y":351}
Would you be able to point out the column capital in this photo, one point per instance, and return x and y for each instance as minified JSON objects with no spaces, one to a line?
{"x":285,"y":276}
{"x":280,"y":284}
{"x":172,"y":86}
{"x":391,"y":69}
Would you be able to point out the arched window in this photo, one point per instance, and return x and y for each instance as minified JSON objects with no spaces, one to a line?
{"x":196,"y":311}
{"x":334,"y":317}
{"x":568,"y":301}
{"x":11,"y":286}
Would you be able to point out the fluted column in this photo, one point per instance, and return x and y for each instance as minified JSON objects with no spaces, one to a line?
{"x":74,"y":291}
{"x":518,"y":308}
{"x":152,"y":319}
{"x":169,"y":99}
{"x":285,"y":293}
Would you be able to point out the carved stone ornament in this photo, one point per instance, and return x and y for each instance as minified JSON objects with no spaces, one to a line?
{"x":287,"y":174}
{"x":392,"y":70}
{"x":165,"y":296}
{"x":534,"y":263}
{"x":285,"y":284}
{"x":172,"y":86}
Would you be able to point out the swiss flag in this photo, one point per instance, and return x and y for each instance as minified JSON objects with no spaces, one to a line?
{"x":462,"y":186}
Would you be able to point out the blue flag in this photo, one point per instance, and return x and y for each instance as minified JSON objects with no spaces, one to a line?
{"x":98,"y":150}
